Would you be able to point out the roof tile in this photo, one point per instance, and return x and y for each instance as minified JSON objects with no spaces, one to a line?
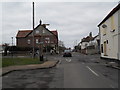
{"x":23,"y":33}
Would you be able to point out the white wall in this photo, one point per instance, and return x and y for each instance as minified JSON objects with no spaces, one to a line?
{"x":83,"y":45}
{"x":94,"y":42}
{"x":119,"y":34}
{"x":112,"y":37}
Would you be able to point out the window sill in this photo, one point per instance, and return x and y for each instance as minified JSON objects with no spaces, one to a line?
{"x":105,"y":55}
{"x":104,"y":34}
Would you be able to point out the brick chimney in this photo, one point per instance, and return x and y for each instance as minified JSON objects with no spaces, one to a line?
{"x":90,"y":34}
{"x":40,"y":22}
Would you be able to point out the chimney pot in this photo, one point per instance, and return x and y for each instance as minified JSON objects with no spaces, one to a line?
{"x":40,"y":22}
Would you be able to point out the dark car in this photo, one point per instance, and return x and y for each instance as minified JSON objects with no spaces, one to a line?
{"x":67,"y":53}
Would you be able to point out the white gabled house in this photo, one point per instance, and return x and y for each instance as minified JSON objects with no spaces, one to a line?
{"x":109,"y":30}
{"x":94,"y":45}
{"x":85,"y":42}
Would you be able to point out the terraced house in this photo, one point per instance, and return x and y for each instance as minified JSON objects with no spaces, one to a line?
{"x":42,"y":36}
{"x":109,"y":30}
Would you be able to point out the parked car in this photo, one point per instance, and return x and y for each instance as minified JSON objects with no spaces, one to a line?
{"x":67,"y":53}
{"x":2,"y":52}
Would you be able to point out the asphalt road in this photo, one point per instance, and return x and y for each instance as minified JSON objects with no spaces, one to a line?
{"x":79,"y":71}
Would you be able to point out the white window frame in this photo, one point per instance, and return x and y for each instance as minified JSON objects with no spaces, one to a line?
{"x":43,"y":31}
{"x":37,"y":41}
{"x":37,"y":31}
{"x":47,"y":38}
{"x":28,"y":41}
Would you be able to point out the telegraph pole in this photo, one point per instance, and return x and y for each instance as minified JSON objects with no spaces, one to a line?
{"x":12,"y":47}
{"x":33,"y":34}
{"x":41,"y":50}
{"x":12,"y":40}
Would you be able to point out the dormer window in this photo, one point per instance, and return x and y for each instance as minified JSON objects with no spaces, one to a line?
{"x":37,"y":31}
{"x":112,"y":24}
{"x":43,"y":31}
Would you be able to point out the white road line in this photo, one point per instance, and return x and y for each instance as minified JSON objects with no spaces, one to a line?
{"x":112,"y":86}
{"x":68,"y":60}
{"x":60,"y":61}
{"x":92,"y":71}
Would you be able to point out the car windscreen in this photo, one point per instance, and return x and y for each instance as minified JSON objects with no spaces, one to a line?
{"x":67,"y":51}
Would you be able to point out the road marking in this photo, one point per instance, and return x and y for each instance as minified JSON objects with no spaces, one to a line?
{"x":68,"y":60}
{"x":58,"y":65}
{"x":60,"y":61}
{"x":83,"y":63}
{"x":112,"y":86}
{"x":6,"y":76}
{"x":92,"y":71}
{"x":31,"y":65}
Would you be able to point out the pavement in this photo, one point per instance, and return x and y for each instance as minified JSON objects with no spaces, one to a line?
{"x":45,"y":65}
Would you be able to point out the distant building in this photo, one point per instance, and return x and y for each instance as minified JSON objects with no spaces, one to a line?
{"x":1,"y":49}
{"x":93,"y":46}
{"x":109,"y":30}
{"x":84,"y":43}
{"x":42,"y":36}
{"x":61,"y":46}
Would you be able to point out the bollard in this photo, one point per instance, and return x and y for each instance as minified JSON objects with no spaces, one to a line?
{"x":41,"y":58}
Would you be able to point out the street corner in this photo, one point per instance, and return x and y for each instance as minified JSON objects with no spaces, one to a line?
{"x":49,"y":64}
{"x":45,"y":65}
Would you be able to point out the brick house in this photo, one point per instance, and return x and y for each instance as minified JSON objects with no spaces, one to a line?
{"x":41,"y":34}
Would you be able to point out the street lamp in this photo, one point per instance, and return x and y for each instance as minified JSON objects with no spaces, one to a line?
{"x":12,"y":47}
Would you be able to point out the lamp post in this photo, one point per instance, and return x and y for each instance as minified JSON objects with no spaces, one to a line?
{"x":33,"y":34}
{"x":12,"y":47}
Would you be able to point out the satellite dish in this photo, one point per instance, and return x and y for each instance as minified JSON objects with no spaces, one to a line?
{"x":104,"y":26}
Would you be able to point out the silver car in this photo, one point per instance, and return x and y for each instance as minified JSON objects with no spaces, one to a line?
{"x":67,"y":53}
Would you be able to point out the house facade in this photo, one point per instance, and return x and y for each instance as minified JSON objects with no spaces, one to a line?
{"x":42,"y":36}
{"x":109,"y":30}
{"x":93,"y":46}
{"x":84,"y":43}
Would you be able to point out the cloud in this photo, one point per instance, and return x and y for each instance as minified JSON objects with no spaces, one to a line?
{"x":73,"y":20}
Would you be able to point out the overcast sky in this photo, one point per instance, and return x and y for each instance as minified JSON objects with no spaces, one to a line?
{"x":73,"y":20}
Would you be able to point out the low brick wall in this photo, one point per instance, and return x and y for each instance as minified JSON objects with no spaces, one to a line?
{"x":92,"y":51}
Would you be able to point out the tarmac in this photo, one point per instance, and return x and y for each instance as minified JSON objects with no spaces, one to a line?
{"x":45,"y":65}
{"x":49,"y":64}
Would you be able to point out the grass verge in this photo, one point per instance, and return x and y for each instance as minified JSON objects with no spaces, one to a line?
{"x":19,"y":61}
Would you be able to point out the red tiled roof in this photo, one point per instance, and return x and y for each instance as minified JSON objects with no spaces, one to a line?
{"x":86,"y":39}
{"x":23,"y":33}
{"x":55,"y":32}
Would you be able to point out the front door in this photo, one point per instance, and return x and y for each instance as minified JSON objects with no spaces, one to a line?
{"x":105,"y":48}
